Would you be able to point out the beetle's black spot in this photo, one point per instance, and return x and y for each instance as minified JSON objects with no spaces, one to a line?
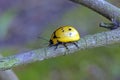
{"x":54,"y":35}
{"x":69,"y":29}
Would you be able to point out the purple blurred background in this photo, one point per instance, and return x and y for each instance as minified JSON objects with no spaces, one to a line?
{"x":30,"y":18}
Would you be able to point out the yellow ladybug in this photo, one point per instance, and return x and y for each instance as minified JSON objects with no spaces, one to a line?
{"x":63,"y":35}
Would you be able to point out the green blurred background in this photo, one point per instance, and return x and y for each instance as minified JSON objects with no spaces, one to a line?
{"x":23,"y":21}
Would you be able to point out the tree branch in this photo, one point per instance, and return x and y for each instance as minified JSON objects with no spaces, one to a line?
{"x":96,"y":40}
{"x":7,"y":75}
{"x":102,"y":7}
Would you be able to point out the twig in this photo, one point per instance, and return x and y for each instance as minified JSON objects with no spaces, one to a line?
{"x":102,"y":7}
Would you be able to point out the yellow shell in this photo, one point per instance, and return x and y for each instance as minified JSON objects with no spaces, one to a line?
{"x":64,"y":34}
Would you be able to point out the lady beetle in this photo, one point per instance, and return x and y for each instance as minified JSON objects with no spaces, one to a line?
{"x":64,"y":35}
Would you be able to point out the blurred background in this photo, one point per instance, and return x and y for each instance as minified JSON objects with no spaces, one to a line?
{"x":23,"y":21}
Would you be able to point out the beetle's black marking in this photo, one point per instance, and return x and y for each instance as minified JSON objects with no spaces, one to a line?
{"x":69,"y":29}
{"x":54,"y":35}
{"x":51,"y":43}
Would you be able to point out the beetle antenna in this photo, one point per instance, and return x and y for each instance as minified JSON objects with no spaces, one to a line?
{"x":43,"y":38}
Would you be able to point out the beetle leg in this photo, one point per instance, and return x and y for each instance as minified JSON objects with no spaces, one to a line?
{"x":56,"y":46}
{"x":65,"y":46}
{"x":75,"y":43}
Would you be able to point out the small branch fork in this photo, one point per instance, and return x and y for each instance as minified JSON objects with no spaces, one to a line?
{"x":105,"y":9}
